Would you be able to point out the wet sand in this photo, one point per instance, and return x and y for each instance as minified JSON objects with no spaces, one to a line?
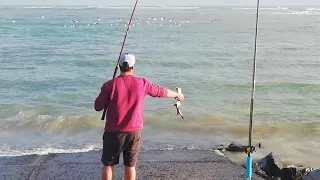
{"x":153,"y":164}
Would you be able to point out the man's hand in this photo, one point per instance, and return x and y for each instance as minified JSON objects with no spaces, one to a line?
{"x":175,"y":95}
{"x":179,"y":97}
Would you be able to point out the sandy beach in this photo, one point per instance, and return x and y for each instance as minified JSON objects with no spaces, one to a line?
{"x":153,"y":164}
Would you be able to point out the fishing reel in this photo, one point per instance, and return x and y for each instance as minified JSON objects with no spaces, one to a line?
{"x":178,"y":104}
{"x":250,"y":150}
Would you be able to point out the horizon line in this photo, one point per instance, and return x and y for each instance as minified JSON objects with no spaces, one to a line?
{"x":31,"y":5}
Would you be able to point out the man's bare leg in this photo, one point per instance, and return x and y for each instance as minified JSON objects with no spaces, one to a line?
{"x":107,"y":172}
{"x":130,"y":173}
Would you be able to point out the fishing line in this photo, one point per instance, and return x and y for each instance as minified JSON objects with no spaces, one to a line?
{"x":250,"y":149}
{"x":180,"y":77}
{"x":117,"y":66}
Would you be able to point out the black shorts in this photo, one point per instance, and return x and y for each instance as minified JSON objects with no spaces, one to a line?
{"x":116,"y":143}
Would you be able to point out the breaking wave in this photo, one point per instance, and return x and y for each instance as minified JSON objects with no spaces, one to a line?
{"x":45,"y":151}
{"x":215,"y":124}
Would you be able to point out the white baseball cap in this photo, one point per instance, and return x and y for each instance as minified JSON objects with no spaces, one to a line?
{"x":129,"y":58}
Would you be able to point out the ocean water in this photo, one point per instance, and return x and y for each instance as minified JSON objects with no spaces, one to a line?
{"x":52,"y":70}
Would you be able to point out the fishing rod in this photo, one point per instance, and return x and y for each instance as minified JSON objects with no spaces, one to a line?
{"x":250,"y":148}
{"x":117,"y":66}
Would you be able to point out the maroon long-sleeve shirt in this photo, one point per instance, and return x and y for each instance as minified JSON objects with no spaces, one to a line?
{"x":125,"y":96}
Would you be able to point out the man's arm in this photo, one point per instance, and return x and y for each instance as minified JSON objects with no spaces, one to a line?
{"x":172,"y":94}
{"x":102,"y":99}
{"x":161,"y":92}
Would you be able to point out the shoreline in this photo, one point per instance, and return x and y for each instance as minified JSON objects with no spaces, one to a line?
{"x":152,"y":164}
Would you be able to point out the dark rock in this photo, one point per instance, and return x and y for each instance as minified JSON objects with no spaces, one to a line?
{"x":233,"y":147}
{"x":290,"y":173}
{"x":273,"y":178}
{"x":257,"y":170}
{"x":271,"y":165}
{"x":314,"y":175}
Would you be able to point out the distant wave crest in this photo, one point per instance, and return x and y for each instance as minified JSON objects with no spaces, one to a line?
{"x":103,"y":7}
{"x":37,"y":7}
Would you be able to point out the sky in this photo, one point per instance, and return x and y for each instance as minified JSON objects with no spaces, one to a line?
{"x":163,"y":2}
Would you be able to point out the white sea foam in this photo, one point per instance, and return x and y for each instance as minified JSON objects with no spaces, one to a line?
{"x":254,"y":8}
{"x":45,"y":151}
{"x":313,"y":9}
{"x":4,"y":151}
{"x":297,"y":13}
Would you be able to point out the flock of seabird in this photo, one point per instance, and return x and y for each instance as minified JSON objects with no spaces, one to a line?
{"x":138,"y":22}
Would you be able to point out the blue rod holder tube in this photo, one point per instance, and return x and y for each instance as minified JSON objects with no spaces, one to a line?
{"x":249,"y":167}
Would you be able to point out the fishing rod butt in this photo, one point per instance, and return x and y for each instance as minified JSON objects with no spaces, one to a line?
{"x":103,"y":114}
{"x":249,"y":167}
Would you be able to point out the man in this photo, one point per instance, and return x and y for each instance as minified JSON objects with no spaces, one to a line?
{"x":124,"y":98}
